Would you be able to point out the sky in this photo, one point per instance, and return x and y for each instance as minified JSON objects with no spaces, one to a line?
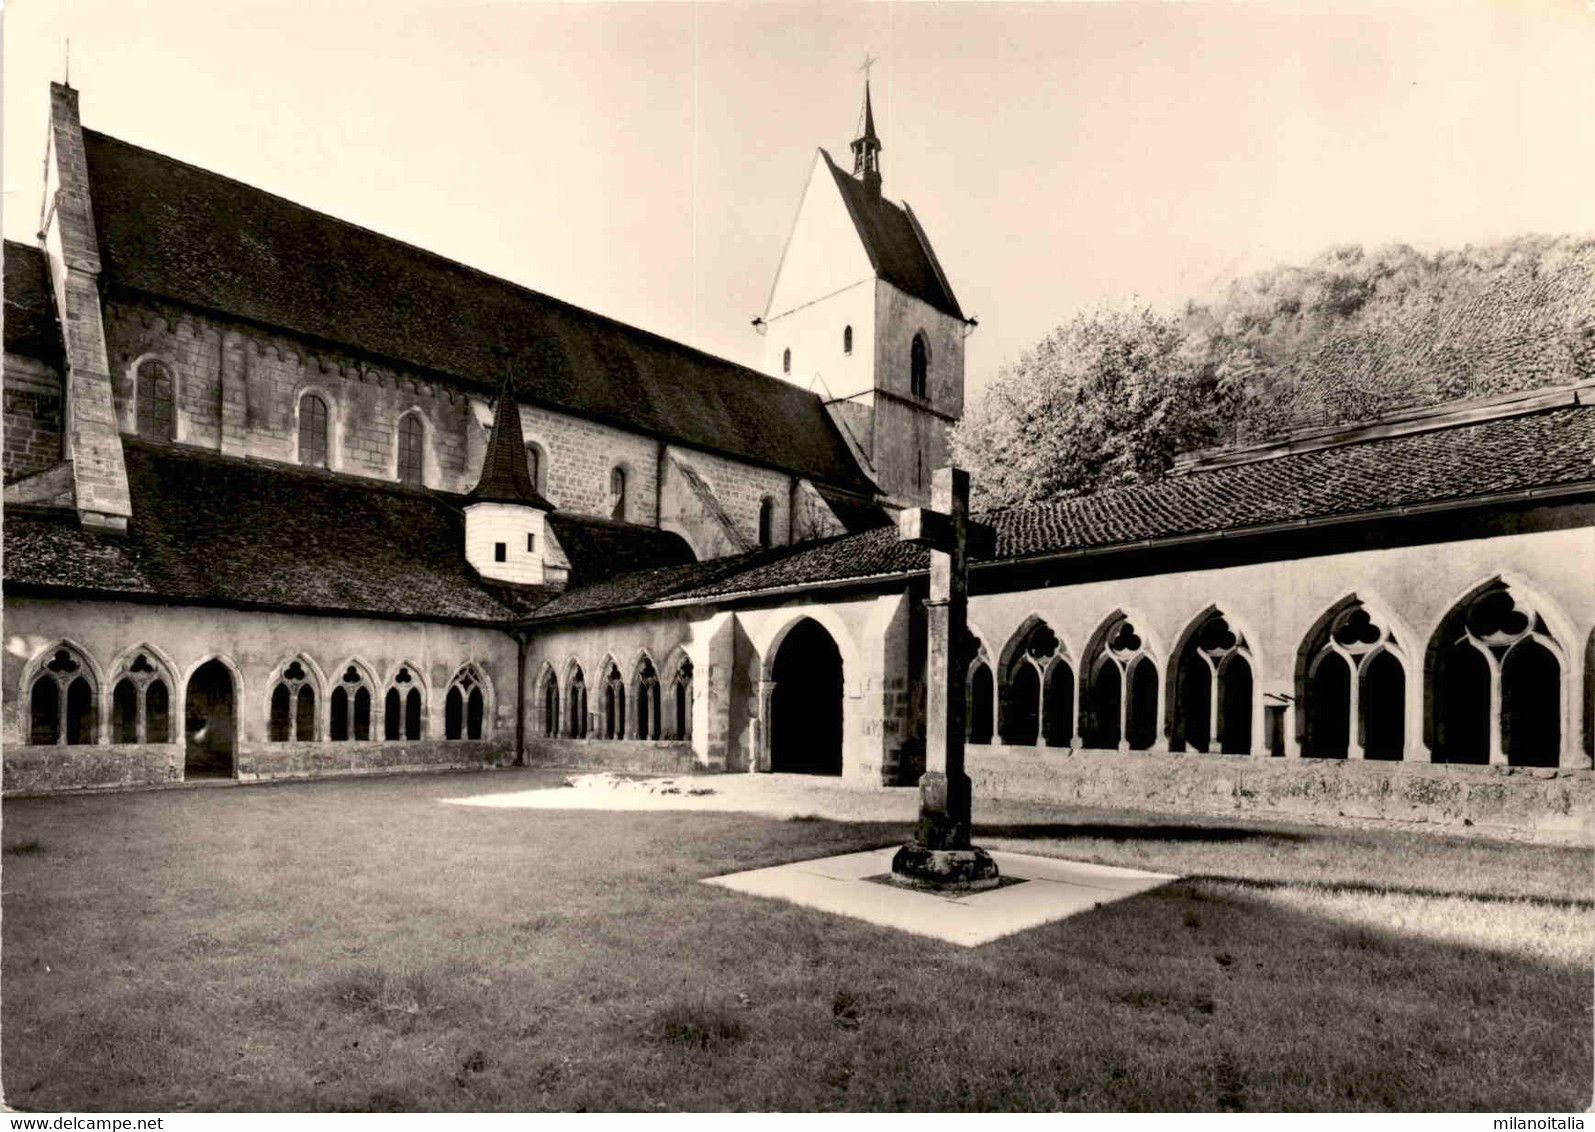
{"x":645,"y":160}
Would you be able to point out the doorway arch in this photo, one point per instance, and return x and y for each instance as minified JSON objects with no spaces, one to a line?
{"x":806,"y":707}
{"x":210,"y":726}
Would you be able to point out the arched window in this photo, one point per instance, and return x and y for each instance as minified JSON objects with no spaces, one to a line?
{"x":141,"y":704}
{"x":786,"y":360}
{"x":981,"y":694}
{"x":614,"y":704}
{"x":576,"y":727}
{"x":681,"y":697}
{"x":647,"y":700}
{"x":1354,"y":692}
{"x":465,"y":708}
{"x":766,"y":522}
{"x":550,"y":704}
{"x":351,"y":708}
{"x":1213,"y":690}
{"x":847,"y":339}
{"x":1119,"y":710}
{"x":617,"y":493}
{"x":293,"y":706}
{"x":61,"y":702}
{"x":1057,"y":705}
{"x":919,"y":366}
{"x":312,"y":431}
{"x":1498,"y":689}
{"x":412,"y":446}
{"x":156,"y":419}
{"x":534,"y":466}
{"x":1027,"y":657}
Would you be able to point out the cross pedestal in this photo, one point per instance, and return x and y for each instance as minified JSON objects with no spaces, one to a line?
{"x":940,"y":856}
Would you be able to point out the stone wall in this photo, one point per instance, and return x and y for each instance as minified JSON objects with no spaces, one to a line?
{"x":634,"y":756}
{"x":1546,"y":804}
{"x":32,"y":417}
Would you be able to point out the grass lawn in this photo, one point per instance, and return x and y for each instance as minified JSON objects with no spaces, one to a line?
{"x":358,"y":945}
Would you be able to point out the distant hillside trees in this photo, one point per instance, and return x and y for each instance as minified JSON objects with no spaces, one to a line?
{"x":1112,"y":396}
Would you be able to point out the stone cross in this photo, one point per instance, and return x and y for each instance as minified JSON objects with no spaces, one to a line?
{"x":940,"y":855}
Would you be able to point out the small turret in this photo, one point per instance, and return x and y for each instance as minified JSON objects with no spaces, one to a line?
{"x":867,"y":149}
{"x":505,"y":529}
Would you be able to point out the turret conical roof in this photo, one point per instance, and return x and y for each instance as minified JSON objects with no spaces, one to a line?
{"x":505,"y":478}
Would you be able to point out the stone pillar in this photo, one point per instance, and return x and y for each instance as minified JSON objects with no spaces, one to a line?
{"x":93,"y":444}
{"x":759,"y":758}
{"x":234,"y":380}
{"x":711,"y":653}
{"x":1497,"y":751}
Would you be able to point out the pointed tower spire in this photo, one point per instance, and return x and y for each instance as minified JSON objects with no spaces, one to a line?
{"x":867,"y":147}
{"x":505,"y":478}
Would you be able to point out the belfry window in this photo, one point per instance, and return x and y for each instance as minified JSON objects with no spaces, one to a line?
{"x":786,"y":360}
{"x":847,"y":340}
{"x":313,"y":431}
{"x":412,"y":441}
{"x":155,"y":413}
{"x":61,"y":703}
{"x":919,"y":367}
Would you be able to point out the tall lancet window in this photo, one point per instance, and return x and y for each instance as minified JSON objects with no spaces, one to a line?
{"x":919,"y":367}
{"x":412,"y":438}
{"x":313,"y":431}
{"x":154,"y":393}
{"x":617,"y":493}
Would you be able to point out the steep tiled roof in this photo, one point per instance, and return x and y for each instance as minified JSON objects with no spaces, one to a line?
{"x":894,"y":244}
{"x":172,"y":230}
{"x":31,"y":329}
{"x":208,"y":528}
{"x":1487,"y":458}
{"x":505,"y":477}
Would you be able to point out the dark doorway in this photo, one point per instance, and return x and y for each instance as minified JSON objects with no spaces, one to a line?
{"x":1140,"y":712}
{"x":1021,"y":715}
{"x":1060,"y":705}
{"x":1105,"y":703}
{"x":1384,"y":708}
{"x":211,"y":729}
{"x":981,"y":699}
{"x":1235,"y":706}
{"x":1531,"y":728}
{"x":1462,"y":715}
{"x":1328,"y":709}
{"x":806,"y":709}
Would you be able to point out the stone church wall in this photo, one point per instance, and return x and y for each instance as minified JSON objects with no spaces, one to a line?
{"x":33,"y":425}
{"x":254,"y":647}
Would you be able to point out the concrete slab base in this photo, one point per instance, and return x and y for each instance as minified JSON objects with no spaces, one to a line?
{"x":846,"y":886}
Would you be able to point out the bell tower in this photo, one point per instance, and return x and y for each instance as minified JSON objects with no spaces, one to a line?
{"x":862,"y":313}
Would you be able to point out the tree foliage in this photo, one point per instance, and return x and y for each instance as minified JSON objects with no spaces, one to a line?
{"x":1112,"y":396}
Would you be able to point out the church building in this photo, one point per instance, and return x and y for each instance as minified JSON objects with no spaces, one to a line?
{"x":287,"y":497}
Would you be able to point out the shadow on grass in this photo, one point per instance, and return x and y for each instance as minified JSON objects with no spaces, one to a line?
{"x":1352,"y":886}
{"x":1111,"y":831}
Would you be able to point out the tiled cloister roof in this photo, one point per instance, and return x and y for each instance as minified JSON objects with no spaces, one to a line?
{"x":223,"y":530}
{"x":1477,"y":460}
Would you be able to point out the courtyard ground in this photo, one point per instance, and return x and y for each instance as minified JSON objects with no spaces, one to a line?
{"x":360,"y":944}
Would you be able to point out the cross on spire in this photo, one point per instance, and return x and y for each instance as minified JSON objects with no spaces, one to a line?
{"x":869,"y":61}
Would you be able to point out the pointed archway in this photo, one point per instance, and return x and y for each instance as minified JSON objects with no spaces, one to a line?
{"x":806,"y":708}
{"x":210,"y":731}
